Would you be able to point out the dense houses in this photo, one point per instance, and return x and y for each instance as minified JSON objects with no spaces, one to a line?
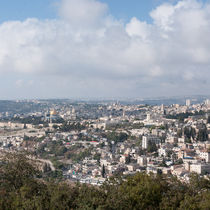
{"x":95,"y":142}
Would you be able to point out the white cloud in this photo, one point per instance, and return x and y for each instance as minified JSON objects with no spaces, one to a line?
{"x":138,"y":28}
{"x":163,"y":16}
{"x":83,"y":13}
{"x":86,"y":43}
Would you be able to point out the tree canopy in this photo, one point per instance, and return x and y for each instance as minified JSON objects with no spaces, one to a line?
{"x":22,"y":187}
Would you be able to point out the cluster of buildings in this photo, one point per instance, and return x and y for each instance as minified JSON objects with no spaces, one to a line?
{"x":157,"y":140}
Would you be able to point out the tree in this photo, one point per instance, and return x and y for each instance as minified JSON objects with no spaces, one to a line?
{"x":141,"y":192}
{"x":17,"y":170}
{"x":55,"y":126}
{"x":202,"y":134}
{"x":121,"y":137}
{"x":208,"y":120}
{"x":103,"y":172}
{"x":152,"y":147}
{"x":22,"y":187}
{"x":188,"y":132}
{"x":193,"y":133}
{"x":128,"y":159}
{"x":97,"y":157}
{"x":46,"y":168}
{"x":188,"y":141}
{"x":179,"y":133}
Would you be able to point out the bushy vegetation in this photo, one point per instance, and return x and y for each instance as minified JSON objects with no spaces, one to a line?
{"x":67,"y":127}
{"x":116,"y":137}
{"x":190,"y":133}
{"x":183,"y":116}
{"x":22,"y":187}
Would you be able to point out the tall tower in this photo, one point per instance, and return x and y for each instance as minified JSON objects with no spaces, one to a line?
{"x":123,"y":113}
{"x":188,"y":102}
{"x":73,"y":113}
{"x":207,"y":102}
{"x":162,"y":108}
{"x":148,"y":117}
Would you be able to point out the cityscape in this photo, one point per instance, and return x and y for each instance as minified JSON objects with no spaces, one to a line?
{"x":90,"y":142}
{"x":105,"y":105}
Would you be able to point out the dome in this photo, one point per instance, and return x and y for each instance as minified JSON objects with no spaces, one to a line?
{"x":53,"y":112}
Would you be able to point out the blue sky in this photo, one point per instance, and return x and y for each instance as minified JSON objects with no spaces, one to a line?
{"x":22,"y":9}
{"x":104,"y":48}
{"x":122,"y":9}
{"x":126,"y":9}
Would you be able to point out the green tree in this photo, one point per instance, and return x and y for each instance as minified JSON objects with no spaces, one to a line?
{"x":208,"y":120}
{"x":103,"y":172}
{"x":152,"y":147}
{"x":202,"y":134}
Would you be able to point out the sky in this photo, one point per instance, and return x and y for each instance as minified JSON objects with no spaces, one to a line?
{"x":46,"y":9}
{"x":104,"y":48}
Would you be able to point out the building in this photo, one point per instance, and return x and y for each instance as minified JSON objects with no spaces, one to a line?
{"x":163,"y":152}
{"x":146,"y":140}
{"x":207,"y":102}
{"x":188,"y":102}
{"x":200,"y":168}
{"x":148,"y":117}
{"x":205,"y":155}
{"x":172,"y":140}
{"x":162,"y":109}
{"x":142,"y":160}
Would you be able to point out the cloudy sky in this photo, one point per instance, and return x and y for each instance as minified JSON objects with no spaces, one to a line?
{"x":104,"y":48}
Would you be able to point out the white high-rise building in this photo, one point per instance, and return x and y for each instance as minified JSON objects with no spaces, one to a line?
{"x":149,"y":139}
{"x":207,"y":102}
{"x":148,"y":117}
{"x":188,"y":102}
{"x":162,"y":107}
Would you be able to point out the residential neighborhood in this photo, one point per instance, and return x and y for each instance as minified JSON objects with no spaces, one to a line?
{"x":89,"y":143}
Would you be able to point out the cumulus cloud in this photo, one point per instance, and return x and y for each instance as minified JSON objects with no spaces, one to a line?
{"x":87,"y":45}
{"x":83,"y":13}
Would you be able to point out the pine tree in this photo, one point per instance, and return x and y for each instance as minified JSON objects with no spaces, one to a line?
{"x":103,"y":171}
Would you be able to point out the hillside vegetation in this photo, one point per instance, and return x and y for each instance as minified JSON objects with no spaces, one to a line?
{"x":22,"y":186}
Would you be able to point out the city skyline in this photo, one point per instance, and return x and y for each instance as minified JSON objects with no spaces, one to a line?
{"x":104,"y":49}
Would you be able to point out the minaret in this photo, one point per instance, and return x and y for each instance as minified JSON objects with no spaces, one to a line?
{"x":50,"y":118}
{"x":123,"y":113}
